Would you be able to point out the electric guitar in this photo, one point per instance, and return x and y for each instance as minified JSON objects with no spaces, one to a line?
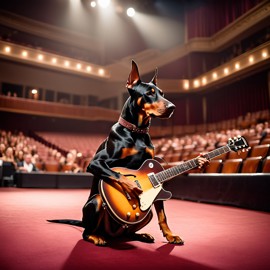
{"x":150,"y":177}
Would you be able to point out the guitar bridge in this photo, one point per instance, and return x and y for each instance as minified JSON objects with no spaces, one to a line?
{"x":152,"y":177}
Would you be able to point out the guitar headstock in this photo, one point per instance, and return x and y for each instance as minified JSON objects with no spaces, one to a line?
{"x":238,"y":143}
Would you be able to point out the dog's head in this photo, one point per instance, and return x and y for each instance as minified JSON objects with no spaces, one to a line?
{"x":148,"y":96}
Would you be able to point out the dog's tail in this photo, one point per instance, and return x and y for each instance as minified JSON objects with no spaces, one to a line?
{"x":72,"y":222}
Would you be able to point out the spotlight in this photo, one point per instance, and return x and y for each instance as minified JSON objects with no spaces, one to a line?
{"x":186,"y":85}
{"x":226,"y":71}
{"x":79,"y":66}
{"x":251,"y":59}
{"x":104,"y":3}
{"x":264,"y":54}
{"x":54,"y":60}
{"x":204,"y":81}
{"x":67,"y":63}
{"x":214,"y":75}
{"x":131,"y":12}
{"x":88,"y":68}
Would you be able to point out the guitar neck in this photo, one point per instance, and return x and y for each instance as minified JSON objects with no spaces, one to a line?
{"x":170,"y":173}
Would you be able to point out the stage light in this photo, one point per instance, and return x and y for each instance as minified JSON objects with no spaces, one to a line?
{"x":24,"y":53}
{"x":104,"y":3}
{"x":214,"y":75}
{"x":79,"y":66}
{"x":226,"y":71}
{"x":67,"y":63}
{"x":88,"y":68}
{"x":40,"y":57}
{"x":93,"y":4}
{"x":34,"y":91}
{"x":54,"y":60}
{"x":7,"y":49}
{"x":251,"y":59}
{"x":131,"y":12}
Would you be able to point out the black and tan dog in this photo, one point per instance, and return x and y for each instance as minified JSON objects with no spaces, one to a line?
{"x":128,"y":145}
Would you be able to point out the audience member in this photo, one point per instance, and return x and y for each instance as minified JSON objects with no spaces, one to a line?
{"x":27,"y":165}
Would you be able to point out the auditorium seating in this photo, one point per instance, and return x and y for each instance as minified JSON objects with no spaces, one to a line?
{"x":260,"y":150}
{"x":266,"y":165}
{"x":232,"y":165}
{"x":214,"y":166}
{"x":251,"y":165}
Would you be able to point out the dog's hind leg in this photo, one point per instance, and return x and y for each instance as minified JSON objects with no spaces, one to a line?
{"x":93,"y":214}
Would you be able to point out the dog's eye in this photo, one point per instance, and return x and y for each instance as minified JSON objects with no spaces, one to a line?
{"x":151,"y":92}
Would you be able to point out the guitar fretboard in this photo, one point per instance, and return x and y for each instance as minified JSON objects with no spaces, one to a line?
{"x":188,"y":165}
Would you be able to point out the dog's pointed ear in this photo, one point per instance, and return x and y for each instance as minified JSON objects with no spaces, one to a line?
{"x":134,"y":76}
{"x":154,"y":80}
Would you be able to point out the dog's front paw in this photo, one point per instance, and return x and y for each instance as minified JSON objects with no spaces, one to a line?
{"x":95,"y":239}
{"x":174,"y":239}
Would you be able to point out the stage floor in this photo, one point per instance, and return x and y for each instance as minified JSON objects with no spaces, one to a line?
{"x":216,"y":237}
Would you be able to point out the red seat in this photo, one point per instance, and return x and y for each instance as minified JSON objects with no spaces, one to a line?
{"x":214,"y":166}
{"x":232,"y":165}
{"x":251,"y":165}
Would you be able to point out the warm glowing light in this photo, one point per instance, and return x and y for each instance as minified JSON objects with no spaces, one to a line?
{"x":237,"y":65}
{"x":54,"y":60}
{"x":24,"y":53}
{"x":214,"y":75}
{"x":131,"y":12}
{"x":93,"y":4}
{"x":88,"y":68}
{"x":67,"y":63}
{"x":251,"y":59}
{"x":34,"y":91}
{"x":7,"y":49}
{"x":186,"y":85}
{"x":79,"y":66}
{"x":264,"y":54}
{"x":226,"y":71}
{"x":40,"y":57}
{"x":104,"y":3}
{"x":101,"y":71}
{"x":196,"y":83}
{"x":204,"y":81}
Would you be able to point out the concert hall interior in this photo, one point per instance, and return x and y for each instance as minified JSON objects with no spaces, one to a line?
{"x":64,"y":65}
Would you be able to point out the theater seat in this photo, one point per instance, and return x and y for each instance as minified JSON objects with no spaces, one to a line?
{"x":232,"y":165}
{"x":214,"y":166}
{"x":266,"y":165}
{"x":52,"y":167}
{"x":251,"y":165}
{"x":260,"y":150}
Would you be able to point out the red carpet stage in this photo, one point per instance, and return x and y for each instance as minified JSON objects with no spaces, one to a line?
{"x":216,"y":237}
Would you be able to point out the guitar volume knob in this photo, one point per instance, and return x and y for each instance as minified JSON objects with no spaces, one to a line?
{"x":137,"y":215}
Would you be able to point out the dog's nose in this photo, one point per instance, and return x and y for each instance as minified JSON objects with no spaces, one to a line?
{"x":170,"y":107}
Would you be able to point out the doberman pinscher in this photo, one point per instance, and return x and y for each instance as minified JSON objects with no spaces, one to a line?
{"x":128,"y":145}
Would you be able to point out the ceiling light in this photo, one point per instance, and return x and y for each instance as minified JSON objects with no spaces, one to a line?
{"x":79,"y":66}
{"x":204,"y":81}
{"x":88,"y":68}
{"x":67,"y":63}
{"x":226,"y":70}
{"x":196,"y":83}
{"x":251,"y":59}
{"x":54,"y":60}
{"x":34,"y":91}
{"x":214,"y":75}
{"x":131,"y":12}
{"x":186,"y":85}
